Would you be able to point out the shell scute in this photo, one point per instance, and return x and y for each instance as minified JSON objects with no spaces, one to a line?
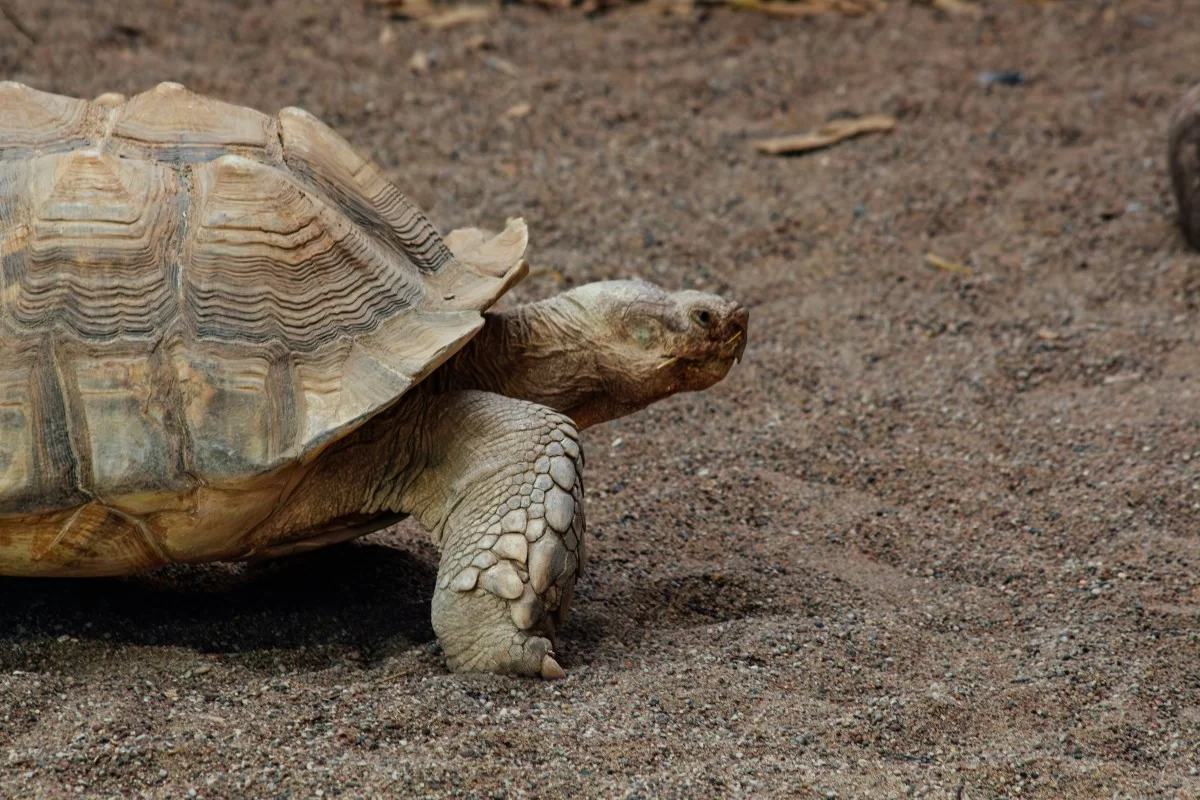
{"x":129,"y":406}
{"x":40,"y":122}
{"x":266,"y":261}
{"x":226,"y":406}
{"x":316,"y":153}
{"x":170,"y":123}
{"x":18,"y":469}
{"x":89,"y":239}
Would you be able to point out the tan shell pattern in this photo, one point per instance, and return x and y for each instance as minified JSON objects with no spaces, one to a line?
{"x":195,"y":293}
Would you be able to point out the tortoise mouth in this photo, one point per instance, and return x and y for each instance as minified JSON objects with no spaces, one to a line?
{"x":702,"y":371}
{"x":734,"y":346}
{"x":727,"y":353}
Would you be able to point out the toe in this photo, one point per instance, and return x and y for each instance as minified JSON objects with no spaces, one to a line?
{"x":550,"y":668}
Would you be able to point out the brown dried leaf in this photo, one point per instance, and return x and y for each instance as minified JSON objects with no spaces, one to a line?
{"x":810,"y":8}
{"x":779,"y":8}
{"x":957,"y":7}
{"x":667,"y":8}
{"x":830,"y":133}
{"x":937,"y":262}
{"x":519,"y":111}
{"x":462,"y":15}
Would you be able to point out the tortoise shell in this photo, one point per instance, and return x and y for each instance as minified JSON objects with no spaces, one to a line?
{"x":194,"y":294}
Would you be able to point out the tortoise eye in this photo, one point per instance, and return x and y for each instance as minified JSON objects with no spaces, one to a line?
{"x":702,"y":317}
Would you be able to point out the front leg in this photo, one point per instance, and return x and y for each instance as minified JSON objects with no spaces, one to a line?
{"x":500,"y":488}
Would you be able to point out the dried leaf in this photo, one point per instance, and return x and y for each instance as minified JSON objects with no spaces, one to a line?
{"x":826,"y":135}
{"x":519,"y":111}
{"x":809,"y":8}
{"x":500,"y":65}
{"x":937,"y":262}
{"x":432,"y":15}
{"x":779,"y":8}
{"x":848,"y":8}
{"x":462,"y":15}
{"x":957,"y":7}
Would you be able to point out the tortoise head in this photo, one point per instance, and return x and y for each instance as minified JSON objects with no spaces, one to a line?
{"x":647,"y":343}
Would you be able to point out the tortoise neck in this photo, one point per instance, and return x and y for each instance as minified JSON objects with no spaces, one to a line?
{"x":537,"y":352}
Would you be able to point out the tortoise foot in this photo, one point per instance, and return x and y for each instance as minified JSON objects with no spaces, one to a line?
{"x":513,"y":550}
{"x":499,"y":613}
{"x":477,"y":634}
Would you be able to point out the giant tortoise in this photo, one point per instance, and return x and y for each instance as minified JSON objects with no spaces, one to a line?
{"x":226,"y":336}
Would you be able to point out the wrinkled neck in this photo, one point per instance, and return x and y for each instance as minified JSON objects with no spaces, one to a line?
{"x":538,"y":352}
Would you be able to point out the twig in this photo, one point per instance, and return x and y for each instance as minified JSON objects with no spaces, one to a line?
{"x":830,"y":133}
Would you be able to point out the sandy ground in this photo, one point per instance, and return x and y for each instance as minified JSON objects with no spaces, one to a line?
{"x":937,"y":536}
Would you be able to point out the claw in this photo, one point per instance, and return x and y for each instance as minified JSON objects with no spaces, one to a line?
{"x":551,"y":671}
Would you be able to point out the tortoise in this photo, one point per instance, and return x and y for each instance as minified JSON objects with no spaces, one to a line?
{"x":226,"y":336}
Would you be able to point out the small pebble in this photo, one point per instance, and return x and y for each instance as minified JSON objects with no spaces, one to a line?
{"x":1001,"y":77}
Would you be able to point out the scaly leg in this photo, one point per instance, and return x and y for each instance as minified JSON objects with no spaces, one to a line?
{"x":498,"y":483}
